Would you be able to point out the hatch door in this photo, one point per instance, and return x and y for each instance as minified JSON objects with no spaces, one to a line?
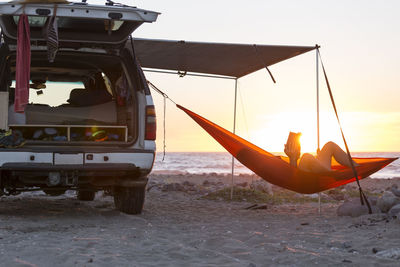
{"x":77,"y":22}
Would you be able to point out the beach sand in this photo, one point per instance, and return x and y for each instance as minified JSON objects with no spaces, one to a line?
{"x":179,"y":228}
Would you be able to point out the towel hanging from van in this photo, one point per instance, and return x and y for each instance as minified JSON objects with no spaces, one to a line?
{"x":23,"y":65}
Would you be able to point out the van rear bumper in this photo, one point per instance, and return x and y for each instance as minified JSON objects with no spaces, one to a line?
{"x":101,"y":168}
{"x":100,"y":175}
{"x":100,"y":159}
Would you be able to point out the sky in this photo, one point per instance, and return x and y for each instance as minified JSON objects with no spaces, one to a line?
{"x":359,"y":46}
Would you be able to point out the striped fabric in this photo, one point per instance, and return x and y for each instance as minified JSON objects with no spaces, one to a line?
{"x":51,"y":36}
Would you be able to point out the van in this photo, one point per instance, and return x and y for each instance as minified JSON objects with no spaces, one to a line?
{"x":90,"y":123}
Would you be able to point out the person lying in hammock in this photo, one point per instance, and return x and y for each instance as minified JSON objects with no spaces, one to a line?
{"x":319,"y":163}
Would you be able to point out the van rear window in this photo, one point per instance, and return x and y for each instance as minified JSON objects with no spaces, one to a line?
{"x":52,"y":93}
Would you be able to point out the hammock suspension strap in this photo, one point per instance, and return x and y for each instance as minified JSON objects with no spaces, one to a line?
{"x":165,"y":97}
{"x":362,"y":195}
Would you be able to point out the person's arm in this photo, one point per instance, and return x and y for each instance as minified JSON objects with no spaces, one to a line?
{"x":293,"y":154}
{"x":293,"y":161}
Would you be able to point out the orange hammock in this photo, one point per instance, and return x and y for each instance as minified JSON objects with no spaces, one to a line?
{"x":276,"y":170}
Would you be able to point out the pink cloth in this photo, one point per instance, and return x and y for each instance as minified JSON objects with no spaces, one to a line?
{"x":23,"y":65}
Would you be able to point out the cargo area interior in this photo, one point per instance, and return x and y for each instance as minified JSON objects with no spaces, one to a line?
{"x":78,"y":98}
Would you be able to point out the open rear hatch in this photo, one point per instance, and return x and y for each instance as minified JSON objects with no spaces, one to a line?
{"x":77,"y":22}
{"x":85,"y":75}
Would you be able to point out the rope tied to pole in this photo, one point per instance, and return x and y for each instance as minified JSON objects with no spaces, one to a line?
{"x":160,"y":92}
{"x":362,"y":195}
{"x":263,"y":62}
{"x":165,"y":97}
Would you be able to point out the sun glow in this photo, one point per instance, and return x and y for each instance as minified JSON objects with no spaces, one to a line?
{"x":364,"y":131}
{"x":276,"y":128}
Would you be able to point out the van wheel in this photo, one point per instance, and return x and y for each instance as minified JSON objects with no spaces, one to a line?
{"x":129,"y":199}
{"x":85,"y":195}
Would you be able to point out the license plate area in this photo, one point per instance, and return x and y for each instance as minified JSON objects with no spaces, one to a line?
{"x":65,"y":159}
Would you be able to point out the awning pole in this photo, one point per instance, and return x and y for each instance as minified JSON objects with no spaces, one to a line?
{"x":191,"y":74}
{"x":317,"y":80}
{"x":318,"y":145}
{"x":234,"y":131}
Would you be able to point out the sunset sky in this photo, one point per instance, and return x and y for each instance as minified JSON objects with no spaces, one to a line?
{"x":359,"y":45}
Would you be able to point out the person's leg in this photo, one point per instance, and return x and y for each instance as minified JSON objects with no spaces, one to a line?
{"x":310,"y":164}
{"x":331,"y":149}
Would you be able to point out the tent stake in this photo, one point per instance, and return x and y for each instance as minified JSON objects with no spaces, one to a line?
{"x":234,"y":131}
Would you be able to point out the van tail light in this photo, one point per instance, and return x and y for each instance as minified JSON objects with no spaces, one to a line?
{"x":151,"y":126}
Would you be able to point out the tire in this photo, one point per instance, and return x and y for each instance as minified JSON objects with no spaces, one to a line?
{"x":54,"y":192}
{"x":85,"y":195}
{"x":129,"y":199}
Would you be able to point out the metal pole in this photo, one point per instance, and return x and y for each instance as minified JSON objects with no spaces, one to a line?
{"x":318,"y":145}
{"x":234,"y":131}
{"x":234,"y":110}
{"x":191,"y":74}
{"x":317,"y":80}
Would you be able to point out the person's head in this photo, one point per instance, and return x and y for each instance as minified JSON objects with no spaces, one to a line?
{"x":297,"y":137}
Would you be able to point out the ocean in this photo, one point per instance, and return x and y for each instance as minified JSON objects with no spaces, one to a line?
{"x":221,"y":163}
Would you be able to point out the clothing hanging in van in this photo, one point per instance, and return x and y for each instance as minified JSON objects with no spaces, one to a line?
{"x":23,"y":64}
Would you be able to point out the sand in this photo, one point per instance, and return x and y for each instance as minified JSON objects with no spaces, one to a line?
{"x":183,"y":229}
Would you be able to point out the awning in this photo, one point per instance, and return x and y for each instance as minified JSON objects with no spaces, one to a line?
{"x":234,"y":60}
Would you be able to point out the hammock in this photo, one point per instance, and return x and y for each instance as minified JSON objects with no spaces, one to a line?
{"x":277,"y":170}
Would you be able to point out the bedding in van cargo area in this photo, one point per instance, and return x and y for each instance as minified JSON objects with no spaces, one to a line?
{"x":42,"y":114}
{"x":11,"y":139}
{"x":70,"y":133}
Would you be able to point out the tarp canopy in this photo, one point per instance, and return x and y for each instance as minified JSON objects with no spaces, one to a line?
{"x":234,"y":60}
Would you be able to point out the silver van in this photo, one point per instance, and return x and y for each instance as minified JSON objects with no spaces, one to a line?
{"x":90,"y":122}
